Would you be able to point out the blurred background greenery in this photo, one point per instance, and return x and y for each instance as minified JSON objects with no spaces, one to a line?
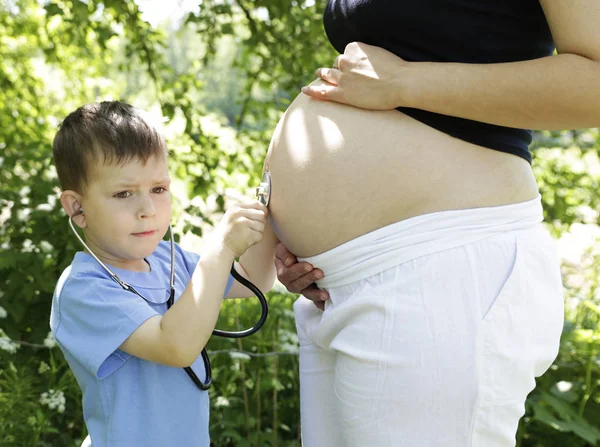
{"x":218,"y":74}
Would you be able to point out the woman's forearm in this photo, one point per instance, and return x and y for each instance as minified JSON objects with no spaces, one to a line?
{"x":558,"y":92}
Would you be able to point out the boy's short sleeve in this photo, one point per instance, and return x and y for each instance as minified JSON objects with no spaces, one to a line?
{"x":191,"y":260}
{"x":95,"y":317}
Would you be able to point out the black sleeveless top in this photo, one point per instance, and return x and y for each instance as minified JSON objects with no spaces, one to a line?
{"x":468,"y":31}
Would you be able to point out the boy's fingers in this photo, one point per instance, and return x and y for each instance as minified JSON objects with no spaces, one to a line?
{"x":256,"y":225}
{"x":255,"y":204}
{"x":253,"y":214}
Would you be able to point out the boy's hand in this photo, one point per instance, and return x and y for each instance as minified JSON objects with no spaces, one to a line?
{"x":243,"y":226}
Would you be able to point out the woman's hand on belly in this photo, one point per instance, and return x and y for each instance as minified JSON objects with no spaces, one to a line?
{"x":299,"y":277}
{"x":364,"y":76}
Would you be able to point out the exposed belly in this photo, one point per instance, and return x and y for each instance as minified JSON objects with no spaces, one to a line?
{"x":339,"y":172}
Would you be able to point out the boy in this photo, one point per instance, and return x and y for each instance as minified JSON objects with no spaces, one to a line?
{"x":126,"y":352}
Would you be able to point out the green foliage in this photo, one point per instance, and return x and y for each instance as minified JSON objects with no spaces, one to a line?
{"x":255,"y":399}
{"x":566,"y":398}
{"x":568,"y":174}
{"x":223,"y":79}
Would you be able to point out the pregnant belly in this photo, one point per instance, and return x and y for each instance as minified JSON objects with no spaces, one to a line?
{"x":339,"y":172}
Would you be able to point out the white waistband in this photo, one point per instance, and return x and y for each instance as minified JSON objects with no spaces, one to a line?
{"x":402,"y":241}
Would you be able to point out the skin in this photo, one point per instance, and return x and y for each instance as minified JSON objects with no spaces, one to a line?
{"x":562,"y":91}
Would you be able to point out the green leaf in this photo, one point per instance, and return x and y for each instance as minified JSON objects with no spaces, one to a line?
{"x":561,"y":416}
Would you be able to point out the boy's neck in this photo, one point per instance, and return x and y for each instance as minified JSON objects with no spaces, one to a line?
{"x":135,"y":265}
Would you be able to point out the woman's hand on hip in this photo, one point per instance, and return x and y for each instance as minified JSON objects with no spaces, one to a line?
{"x":364,"y":76}
{"x":299,"y":277}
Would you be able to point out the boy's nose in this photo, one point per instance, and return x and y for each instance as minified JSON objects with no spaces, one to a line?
{"x":146,"y":208}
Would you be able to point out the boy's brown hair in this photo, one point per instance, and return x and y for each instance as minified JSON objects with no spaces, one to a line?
{"x":106,"y":132}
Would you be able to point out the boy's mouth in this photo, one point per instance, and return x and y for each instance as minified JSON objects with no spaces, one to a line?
{"x":144,"y":233}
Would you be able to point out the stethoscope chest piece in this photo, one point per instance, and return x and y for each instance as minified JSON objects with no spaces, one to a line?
{"x":263,"y":192}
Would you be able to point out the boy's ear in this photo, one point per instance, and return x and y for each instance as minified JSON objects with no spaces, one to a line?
{"x":71,"y":202}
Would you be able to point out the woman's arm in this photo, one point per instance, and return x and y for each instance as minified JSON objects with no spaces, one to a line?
{"x":557,"y":92}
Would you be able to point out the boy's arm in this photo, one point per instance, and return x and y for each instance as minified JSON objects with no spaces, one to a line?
{"x":257,"y":265}
{"x":178,"y":337}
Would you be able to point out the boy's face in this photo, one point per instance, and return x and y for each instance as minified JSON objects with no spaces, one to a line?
{"x":127,"y":210}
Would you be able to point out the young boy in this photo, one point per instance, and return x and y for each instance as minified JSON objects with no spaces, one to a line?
{"x":127,"y":353}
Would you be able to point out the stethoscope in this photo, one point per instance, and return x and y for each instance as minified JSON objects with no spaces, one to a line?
{"x":263,"y":194}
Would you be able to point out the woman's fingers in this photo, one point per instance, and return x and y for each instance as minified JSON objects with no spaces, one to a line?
{"x":364,"y":76}
{"x":338,"y":63}
{"x":300,"y":278}
{"x":323,"y":91}
{"x":293,"y":277}
{"x":330,"y":75}
{"x":284,"y":255}
{"x":316,"y":295}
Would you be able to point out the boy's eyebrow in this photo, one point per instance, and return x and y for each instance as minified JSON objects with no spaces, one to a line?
{"x":135,"y":183}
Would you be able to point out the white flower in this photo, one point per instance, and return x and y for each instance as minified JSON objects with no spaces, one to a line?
{"x":3,"y":312}
{"x":43,"y":367}
{"x":22,"y":215}
{"x":50,"y":341}
{"x":46,"y":246}
{"x":55,"y":400}
{"x":6,"y":344}
{"x":239,"y":355}
{"x":222,"y":402}
{"x":563,"y":386}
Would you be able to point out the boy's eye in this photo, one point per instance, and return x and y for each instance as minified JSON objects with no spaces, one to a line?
{"x":122,"y":194}
{"x":159,"y":190}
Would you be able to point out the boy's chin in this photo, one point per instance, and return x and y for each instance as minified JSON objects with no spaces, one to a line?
{"x":143,"y":252}
{"x":147,"y":252}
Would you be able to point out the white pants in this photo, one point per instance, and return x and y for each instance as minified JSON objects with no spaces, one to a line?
{"x":434,"y":333}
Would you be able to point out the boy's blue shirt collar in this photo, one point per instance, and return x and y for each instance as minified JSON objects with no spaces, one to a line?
{"x":85,"y":263}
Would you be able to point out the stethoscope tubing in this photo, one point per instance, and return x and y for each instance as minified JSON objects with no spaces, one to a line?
{"x":234,"y":273}
{"x":220,"y":333}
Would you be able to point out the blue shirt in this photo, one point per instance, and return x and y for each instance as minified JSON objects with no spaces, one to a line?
{"x":128,"y":401}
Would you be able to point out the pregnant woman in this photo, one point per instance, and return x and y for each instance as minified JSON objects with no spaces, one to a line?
{"x":403,"y":175}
